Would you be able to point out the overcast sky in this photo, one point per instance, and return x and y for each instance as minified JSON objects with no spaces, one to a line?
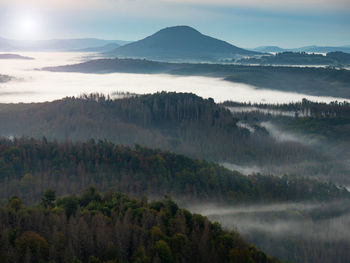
{"x":286,"y":23}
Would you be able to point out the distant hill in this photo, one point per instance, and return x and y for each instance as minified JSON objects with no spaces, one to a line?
{"x":101,"y":49}
{"x":180,"y":43}
{"x":300,"y":58}
{"x":269,"y":49}
{"x":14,"y":56}
{"x":7,"y":45}
{"x":311,"y":49}
{"x":319,"y":49}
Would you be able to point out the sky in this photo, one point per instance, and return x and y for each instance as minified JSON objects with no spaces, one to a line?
{"x":245,"y":23}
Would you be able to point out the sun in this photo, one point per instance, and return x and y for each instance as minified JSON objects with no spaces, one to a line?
{"x":28,"y":23}
{"x":28,"y":26}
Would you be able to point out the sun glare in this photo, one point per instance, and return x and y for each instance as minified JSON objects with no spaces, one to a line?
{"x":28,"y":26}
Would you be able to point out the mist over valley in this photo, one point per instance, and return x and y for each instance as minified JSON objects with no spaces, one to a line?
{"x":154,"y":131}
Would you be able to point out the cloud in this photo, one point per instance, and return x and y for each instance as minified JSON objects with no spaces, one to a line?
{"x":122,"y":5}
{"x":273,"y":4}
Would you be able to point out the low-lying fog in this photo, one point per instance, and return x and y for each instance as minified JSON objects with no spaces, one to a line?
{"x":284,"y":219}
{"x":293,"y":231}
{"x":38,"y":86}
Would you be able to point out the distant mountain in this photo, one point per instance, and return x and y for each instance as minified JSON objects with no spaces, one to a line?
{"x":14,"y":56}
{"x":300,"y":58}
{"x":54,"y":44}
{"x":102,"y":49}
{"x":269,"y":49}
{"x":319,"y":49}
{"x":311,"y":49}
{"x":180,"y":43}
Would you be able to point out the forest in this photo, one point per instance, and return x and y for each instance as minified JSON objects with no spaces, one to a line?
{"x":33,"y":172}
{"x":322,"y":126}
{"x":178,"y":122}
{"x":112,"y":227}
{"x":177,"y":144}
{"x":28,"y":167}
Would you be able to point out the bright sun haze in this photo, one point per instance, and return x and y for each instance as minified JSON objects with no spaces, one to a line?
{"x":28,"y":26}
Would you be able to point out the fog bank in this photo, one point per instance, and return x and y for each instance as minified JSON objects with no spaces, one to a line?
{"x":38,"y":86}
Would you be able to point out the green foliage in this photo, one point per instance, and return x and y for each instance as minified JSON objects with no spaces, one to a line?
{"x":30,"y":245}
{"x":113,"y":232}
{"x":69,"y":168}
{"x":48,"y":198}
{"x":180,"y":122}
{"x":162,"y":251}
{"x":15,"y":203}
{"x":70,"y":204}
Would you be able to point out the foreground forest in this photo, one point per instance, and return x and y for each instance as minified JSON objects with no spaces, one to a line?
{"x":306,"y":80}
{"x":97,"y":228}
{"x":83,"y":227}
{"x":126,"y":144}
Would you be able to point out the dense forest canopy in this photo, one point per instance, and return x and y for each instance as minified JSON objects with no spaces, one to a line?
{"x":28,"y":167}
{"x":95,"y":140}
{"x":97,"y":228}
{"x":180,"y":122}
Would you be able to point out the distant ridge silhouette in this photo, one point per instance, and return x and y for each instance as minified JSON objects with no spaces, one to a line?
{"x":180,"y":43}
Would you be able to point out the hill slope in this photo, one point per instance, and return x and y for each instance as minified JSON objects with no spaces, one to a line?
{"x":180,"y":43}
{"x":115,"y":228}
{"x":28,"y":167}
{"x":179,"y":122}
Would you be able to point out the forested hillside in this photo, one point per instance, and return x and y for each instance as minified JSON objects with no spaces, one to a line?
{"x":323,"y":126}
{"x":179,"y":122}
{"x":97,"y":228}
{"x":28,"y":167}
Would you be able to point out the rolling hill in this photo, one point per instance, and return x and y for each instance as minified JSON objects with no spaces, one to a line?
{"x":179,"y":122}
